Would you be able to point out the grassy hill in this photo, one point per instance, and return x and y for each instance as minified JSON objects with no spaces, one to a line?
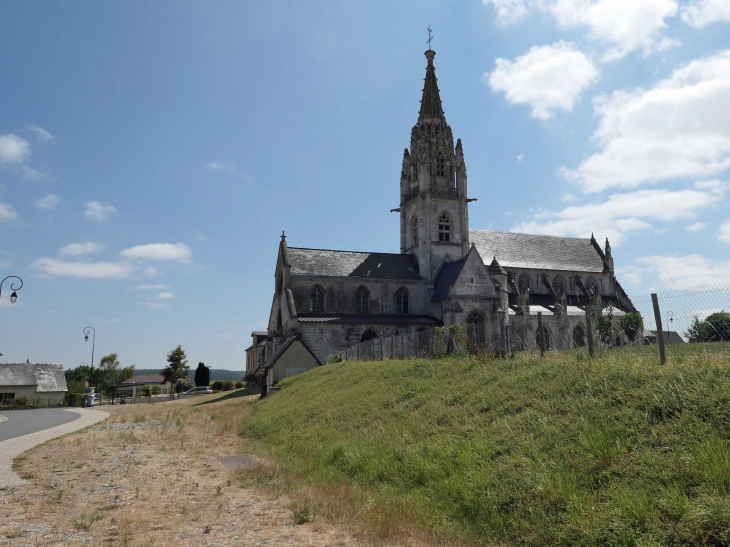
{"x":216,"y":374}
{"x":555,"y":451}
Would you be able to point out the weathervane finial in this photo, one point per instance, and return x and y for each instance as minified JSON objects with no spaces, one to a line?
{"x":429,"y":36}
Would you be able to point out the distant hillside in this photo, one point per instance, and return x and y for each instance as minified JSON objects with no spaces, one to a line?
{"x":217,"y":374}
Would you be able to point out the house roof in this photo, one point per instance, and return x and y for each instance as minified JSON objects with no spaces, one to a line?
{"x":370,"y":319}
{"x":285,"y":346}
{"x":670,"y":336}
{"x":447,"y":276}
{"x":323,"y":262}
{"x":539,"y":252}
{"x":146,"y":379}
{"x":45,"y":377}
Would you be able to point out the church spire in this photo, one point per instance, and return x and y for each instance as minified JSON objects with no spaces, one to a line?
{"x":431,"y":100}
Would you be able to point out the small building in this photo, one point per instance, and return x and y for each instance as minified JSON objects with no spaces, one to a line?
{"x":147,"y":380}
{"x":255,"y":352}
{"x":291,"y":358}
{"x":670,"y":337}
{"x":44,"y":383}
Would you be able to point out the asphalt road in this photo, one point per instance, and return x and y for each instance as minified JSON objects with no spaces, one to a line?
{"x":24,"y":422}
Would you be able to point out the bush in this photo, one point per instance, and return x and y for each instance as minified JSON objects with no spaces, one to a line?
{"x":227,"y":385}
{"x":217,"y":386}
{"x":334,"y":358}
{"x":239,"y":384}
{"x":715,"y":328}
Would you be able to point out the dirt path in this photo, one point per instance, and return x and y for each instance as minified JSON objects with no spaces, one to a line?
{"x":152,"y":475}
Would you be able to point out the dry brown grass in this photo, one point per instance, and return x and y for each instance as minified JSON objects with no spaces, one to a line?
{"x":150,"y":475}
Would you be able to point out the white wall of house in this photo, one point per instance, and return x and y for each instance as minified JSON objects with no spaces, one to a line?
{"x":54,"y":397}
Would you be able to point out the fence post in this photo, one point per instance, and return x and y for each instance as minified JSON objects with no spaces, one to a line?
{"x":589,"y":331}
{"x":358,"y":351}
{"x":540,"y":334}
{"x":659,"y":329}
{"x":382,"y":341}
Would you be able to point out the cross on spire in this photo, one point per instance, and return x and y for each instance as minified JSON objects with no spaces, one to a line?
{"x":429,"y":36}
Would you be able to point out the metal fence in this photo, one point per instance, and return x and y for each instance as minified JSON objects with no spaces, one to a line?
{"x":667,"y":320}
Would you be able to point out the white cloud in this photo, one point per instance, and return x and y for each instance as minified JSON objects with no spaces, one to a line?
{"x":165,"y":296}
{"x":158,"y":305}
{"x":43,"y":135}
{"x":699,"y":13}
{"x":622,"y":26}
{"x":100,"y":270}
{"x":76,"y":249}
{"x":97,"y":211}
{"x":696,"y":227}
{"x":114,"y":321}
{"x":151,"y":287}
{"x":678,"y":128}
{"x":160,"y":251}
{"x":7,"y":212}
{"x":151,"y":272}
{"x":568,"y":198}
{"x":683,"y":272}
{"x":724,"y":231}
{"x":547,"y":78}
{"x":49,"y":201}
{"x":13,"y":149}
{"x":520,"y":158}
{"x":621,"y":214}
{"x":227,"y":166}
{"x":508,"y":11}
{"x":631,"y":274}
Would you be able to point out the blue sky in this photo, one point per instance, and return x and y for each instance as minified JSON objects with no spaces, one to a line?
{"x":166,"y":145}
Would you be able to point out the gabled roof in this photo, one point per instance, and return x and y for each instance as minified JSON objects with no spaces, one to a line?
{"x":446,"y":277}
{"x":285,"y":346}
{"x":670,"y":336}
{"x":323,"y":262}
{"x":539,"y":252}
{"x":366,"y":319}
{"x":146,"y":379}
{"x":44,"y":376}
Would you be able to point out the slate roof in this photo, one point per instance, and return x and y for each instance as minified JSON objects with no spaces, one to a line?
{"x":670,"y":336}
{"x":431,"y":99}
{"x":370,"y":319}
{"x":145,"y":379}
{"x":447,"y":276}
{"x":323,"y":262}
{"x":46,"y":377}
{"x":539,"y":252}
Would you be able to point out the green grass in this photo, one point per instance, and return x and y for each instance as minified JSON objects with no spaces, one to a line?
{"x":555,"y":451}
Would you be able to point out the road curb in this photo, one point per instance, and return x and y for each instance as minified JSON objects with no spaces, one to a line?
{"x":12,"y":448}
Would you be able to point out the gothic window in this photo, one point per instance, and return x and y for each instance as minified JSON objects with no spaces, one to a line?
{"x":444,"y":227}
{"x":476,"y":330}
{"x":316,"y":299}
{"x":592,"y":286}
{"x":362,"y":300}
{"x":402,"y":301}
{"x":559,"y":285}
{"x":524,"y":284}
{"x":579,"y":336}
{"x":414,"y":231}
{"x":369,"y":334}
{"x":440,"y":165}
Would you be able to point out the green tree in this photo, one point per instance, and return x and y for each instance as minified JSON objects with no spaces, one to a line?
{"x":715,"y":328}
{"x":632,"y":324}
{"x":109,"y":368}
{"x":177,"y":368}
{"x":202,"y":375}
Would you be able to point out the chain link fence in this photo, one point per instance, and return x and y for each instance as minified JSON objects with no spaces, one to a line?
{"x":699,"y":315}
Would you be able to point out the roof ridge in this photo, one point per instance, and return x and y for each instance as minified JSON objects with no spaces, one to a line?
{"x":528,"y":234}
{"x":341,"y":251}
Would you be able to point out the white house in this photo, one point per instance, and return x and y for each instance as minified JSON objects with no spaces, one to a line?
{"x":42,"y":382}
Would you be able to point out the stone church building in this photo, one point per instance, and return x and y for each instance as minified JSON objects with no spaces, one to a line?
{"x":445,"y":273}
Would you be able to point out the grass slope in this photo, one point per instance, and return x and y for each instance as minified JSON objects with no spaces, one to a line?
{"x":554,"y":451}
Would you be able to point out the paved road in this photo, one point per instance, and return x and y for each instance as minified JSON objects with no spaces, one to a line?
{"x":24,"y":422}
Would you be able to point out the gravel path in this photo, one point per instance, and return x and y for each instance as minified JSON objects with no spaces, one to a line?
{"x":12,"y":448}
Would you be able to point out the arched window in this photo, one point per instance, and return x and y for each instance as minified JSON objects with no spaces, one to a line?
{"x":579,"y":336}
{"x":548,"y":338}
{"x":524,"y":283}
{"x":559,"y":285}
{"x":476,"y":330}
{"x":414,"y":230}
{"x":362,"y":300}
{"x":444,"y":227}
{"x":316,"y":299}
{"x":369,"y":334}
{"x":440,"y":165}
{"x":592,"y":286}
{"x":402,"y":304}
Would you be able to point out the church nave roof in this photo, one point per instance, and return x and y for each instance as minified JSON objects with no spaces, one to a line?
{"x":323,"y":262}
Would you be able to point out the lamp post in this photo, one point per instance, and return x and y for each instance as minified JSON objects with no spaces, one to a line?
{"x":14,"y":296}
{"x":93,"y":344}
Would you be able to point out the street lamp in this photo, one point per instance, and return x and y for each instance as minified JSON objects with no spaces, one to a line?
{"x":14,"y":296}
{"x":93,"y":344}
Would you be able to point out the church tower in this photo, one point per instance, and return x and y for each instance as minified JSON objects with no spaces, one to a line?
{"x":434,"y":204}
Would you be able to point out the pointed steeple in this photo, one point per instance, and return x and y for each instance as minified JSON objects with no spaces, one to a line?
{"x":431,"y":100}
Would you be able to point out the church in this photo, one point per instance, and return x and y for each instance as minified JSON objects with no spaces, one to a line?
{"x":445,"y":273}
